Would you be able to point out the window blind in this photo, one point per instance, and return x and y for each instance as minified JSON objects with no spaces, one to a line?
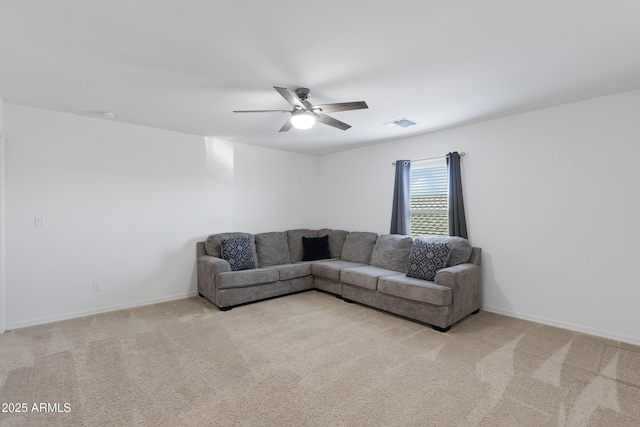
{"x":428,"y":205}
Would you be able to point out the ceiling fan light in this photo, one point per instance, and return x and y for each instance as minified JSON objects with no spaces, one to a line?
{"x":302,"y":120}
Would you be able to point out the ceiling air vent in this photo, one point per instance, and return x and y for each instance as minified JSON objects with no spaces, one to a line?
{"x":405,"y":123}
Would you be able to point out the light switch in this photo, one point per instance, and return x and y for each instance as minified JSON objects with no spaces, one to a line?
{"x":39,"y":221}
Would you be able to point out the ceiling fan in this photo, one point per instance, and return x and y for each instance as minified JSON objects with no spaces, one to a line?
{"x":304,"y":114}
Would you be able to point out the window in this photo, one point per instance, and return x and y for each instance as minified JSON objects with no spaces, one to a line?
{"x":428,"y":205}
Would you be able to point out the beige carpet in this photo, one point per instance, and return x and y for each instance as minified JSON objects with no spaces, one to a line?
{"x":312,"y":359}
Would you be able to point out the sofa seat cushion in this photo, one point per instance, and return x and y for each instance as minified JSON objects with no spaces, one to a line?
{"x":415,"y":290}
{"x":293,"y":271}
{"x":240,"y":279}
{"x":331,"y":269}
{"x":365,"y":276}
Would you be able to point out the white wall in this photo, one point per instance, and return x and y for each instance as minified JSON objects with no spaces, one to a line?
{"x":551,"y":197}
{"x":124,"y":205}
{"x":2,"y":226}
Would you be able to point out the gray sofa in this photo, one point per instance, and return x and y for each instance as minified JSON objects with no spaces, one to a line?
{"x":363,"y":267}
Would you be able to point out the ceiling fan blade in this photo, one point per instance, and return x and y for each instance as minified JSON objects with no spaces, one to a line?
{"x":261,"y":111}
{"x":288,"y":96}
{"x":287,"y":125}
{"x":323,"y":118}
{"x":342,"y":106}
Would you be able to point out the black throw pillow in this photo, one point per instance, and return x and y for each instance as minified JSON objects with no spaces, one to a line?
{"x":314,"y":248}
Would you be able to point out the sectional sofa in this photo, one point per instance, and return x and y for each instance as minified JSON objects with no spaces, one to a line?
{"x":434,"y":280}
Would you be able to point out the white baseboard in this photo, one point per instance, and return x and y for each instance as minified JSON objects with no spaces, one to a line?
{"x":83,"y":313}
{"x":565,"y":325}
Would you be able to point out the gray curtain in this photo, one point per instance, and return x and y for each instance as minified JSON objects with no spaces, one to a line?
{"x":457,"y":222}
{"x":400,"y":212}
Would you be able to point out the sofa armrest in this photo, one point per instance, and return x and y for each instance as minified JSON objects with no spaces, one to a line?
{"x":447,"y":276}
{"x":464,"y":281}
{"x":208,"y":268}
{"x":200,"y":249}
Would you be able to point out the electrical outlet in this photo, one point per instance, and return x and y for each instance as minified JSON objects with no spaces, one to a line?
{"x":39,"y":221}
{"x":96,"y":286}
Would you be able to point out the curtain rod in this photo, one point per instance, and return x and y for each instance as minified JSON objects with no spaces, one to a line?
{"x":429,"y":158}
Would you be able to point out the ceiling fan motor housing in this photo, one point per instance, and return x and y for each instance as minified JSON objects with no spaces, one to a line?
{"x":302,"y":93}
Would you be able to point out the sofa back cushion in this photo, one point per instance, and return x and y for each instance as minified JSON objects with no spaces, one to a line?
{"x":336,"y":240}
{"x":294,"y":239}
{"x":272,"y":248}
{"x":239,"y":253}
{"x":391,"y":252}
{"x":212,"y":244}
{"x":358,"y":246}
{"x":460,"y":248}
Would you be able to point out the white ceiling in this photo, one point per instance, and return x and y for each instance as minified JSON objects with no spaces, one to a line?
{"x":185,"y":65}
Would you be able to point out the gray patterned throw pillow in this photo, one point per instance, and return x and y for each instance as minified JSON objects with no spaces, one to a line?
{"x":427,"y":258}
{"x":238,"y":252}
